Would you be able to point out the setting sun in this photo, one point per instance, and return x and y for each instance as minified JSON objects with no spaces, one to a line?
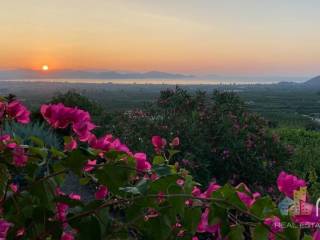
{"x":45,"y":68}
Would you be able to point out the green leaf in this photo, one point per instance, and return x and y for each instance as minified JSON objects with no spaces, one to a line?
{"x":163,"y":184}
{"x":158,"y":160}
{"x":291,"y":231}
{"x":260,"y":232}
{"x":56,"y":153}
{"x":217,"y":214}
{"x":89,"y":226}
{"x":84,"y":181}
{"x":162,"y":170}
{"x":114,"y":175}
{"x":177,"y":203}
{"x":191,"y":218}
{"x":37,"y":141}
{"x":188,"y":184}
{"x":229,"y":198}
{"x":4,"y":178}
{"x":143,"y":185}
{"x":41,"y":152}
{"x":236,"y":233}
{"x":41,"y":190}
{"x":76,"y":161}
{"x":157,"y":228}
{"x":172,"y":152}
{"x":132,"y":190}
{"x":307,"y":237}
{"x":263,"y":207}
{"x":104,"y":220}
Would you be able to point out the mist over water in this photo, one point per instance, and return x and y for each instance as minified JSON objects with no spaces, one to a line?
{"x":195,"y":81}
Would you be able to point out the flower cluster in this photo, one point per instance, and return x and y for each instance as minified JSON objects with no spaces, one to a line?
{"x":288,"y":183}
{"x":19,"y":157}
{"x":14,"y":110}
{"x":60,"y":116}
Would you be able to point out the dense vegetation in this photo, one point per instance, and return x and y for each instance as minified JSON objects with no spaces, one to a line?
{"x":283,"y":104}
{"x":219,"y":137}
{"x":136,"y":196}
{"x":188,"y":144}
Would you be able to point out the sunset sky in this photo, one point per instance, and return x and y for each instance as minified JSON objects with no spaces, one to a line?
{"x":247,"y":37}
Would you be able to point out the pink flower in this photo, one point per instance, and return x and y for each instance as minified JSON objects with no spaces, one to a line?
{"x":2,"y":110}
{"x":246,"y":199}
{"x":195,"y":238}
{"x":18,"y":112}
{"x":212,"y":188}
{"x":288,"y":183}
{"x":83,"y":130}
{"x":180,"y":182}
{"x":188,"y":202}
{"x":226,"y":154}
{"x":141,"y":162}
{"x":120,"y":147}
{"x":74,"y":196}
{"x":21,"y":232}
{"x":107,"y":143}
{"x":101,"y":193}
{"x":14,"y":187}
{"x":67,"y":236}
{"x":196,"y":192}
{"x":70,"y":145}
{"x":181,"y":233}
{"x":59,"y":192}
{"x":175,"y":142}
{"x":154,"y":176}
{"x":19,"y":157}
{"x":316,"y":235}
{"x":246,"y":196}
{"x":8,"y":141}
{"x":5,"y":138}
{"x":204,"y":226}
{"x":275,"y":225}
{"x":102,"y":143}
{"x":151,"y":213}
{"x":160,"y":197}
{"x":158,"y":143}
{"x":59,"y":116}
{"x":4,"y":228}
{"x":90,"y":164}
{"x":62,"y":211}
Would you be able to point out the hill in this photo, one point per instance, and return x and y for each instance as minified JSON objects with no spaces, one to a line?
{"x":78,"y":74}
{"x":313,"y":81}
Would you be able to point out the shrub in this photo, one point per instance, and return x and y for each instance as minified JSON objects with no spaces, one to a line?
{"x":219,"y":137}
{"x":37,"y":129}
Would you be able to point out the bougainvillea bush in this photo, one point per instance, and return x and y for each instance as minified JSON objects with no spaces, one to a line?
{"x":136,"y":196}
{"x":221,"y":138}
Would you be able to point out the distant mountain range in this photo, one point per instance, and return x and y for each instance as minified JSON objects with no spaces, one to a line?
{"x":77,"y":74}
{"x":313,"y":81}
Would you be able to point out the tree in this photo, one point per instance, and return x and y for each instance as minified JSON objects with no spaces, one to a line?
{"x":220,"y":138}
